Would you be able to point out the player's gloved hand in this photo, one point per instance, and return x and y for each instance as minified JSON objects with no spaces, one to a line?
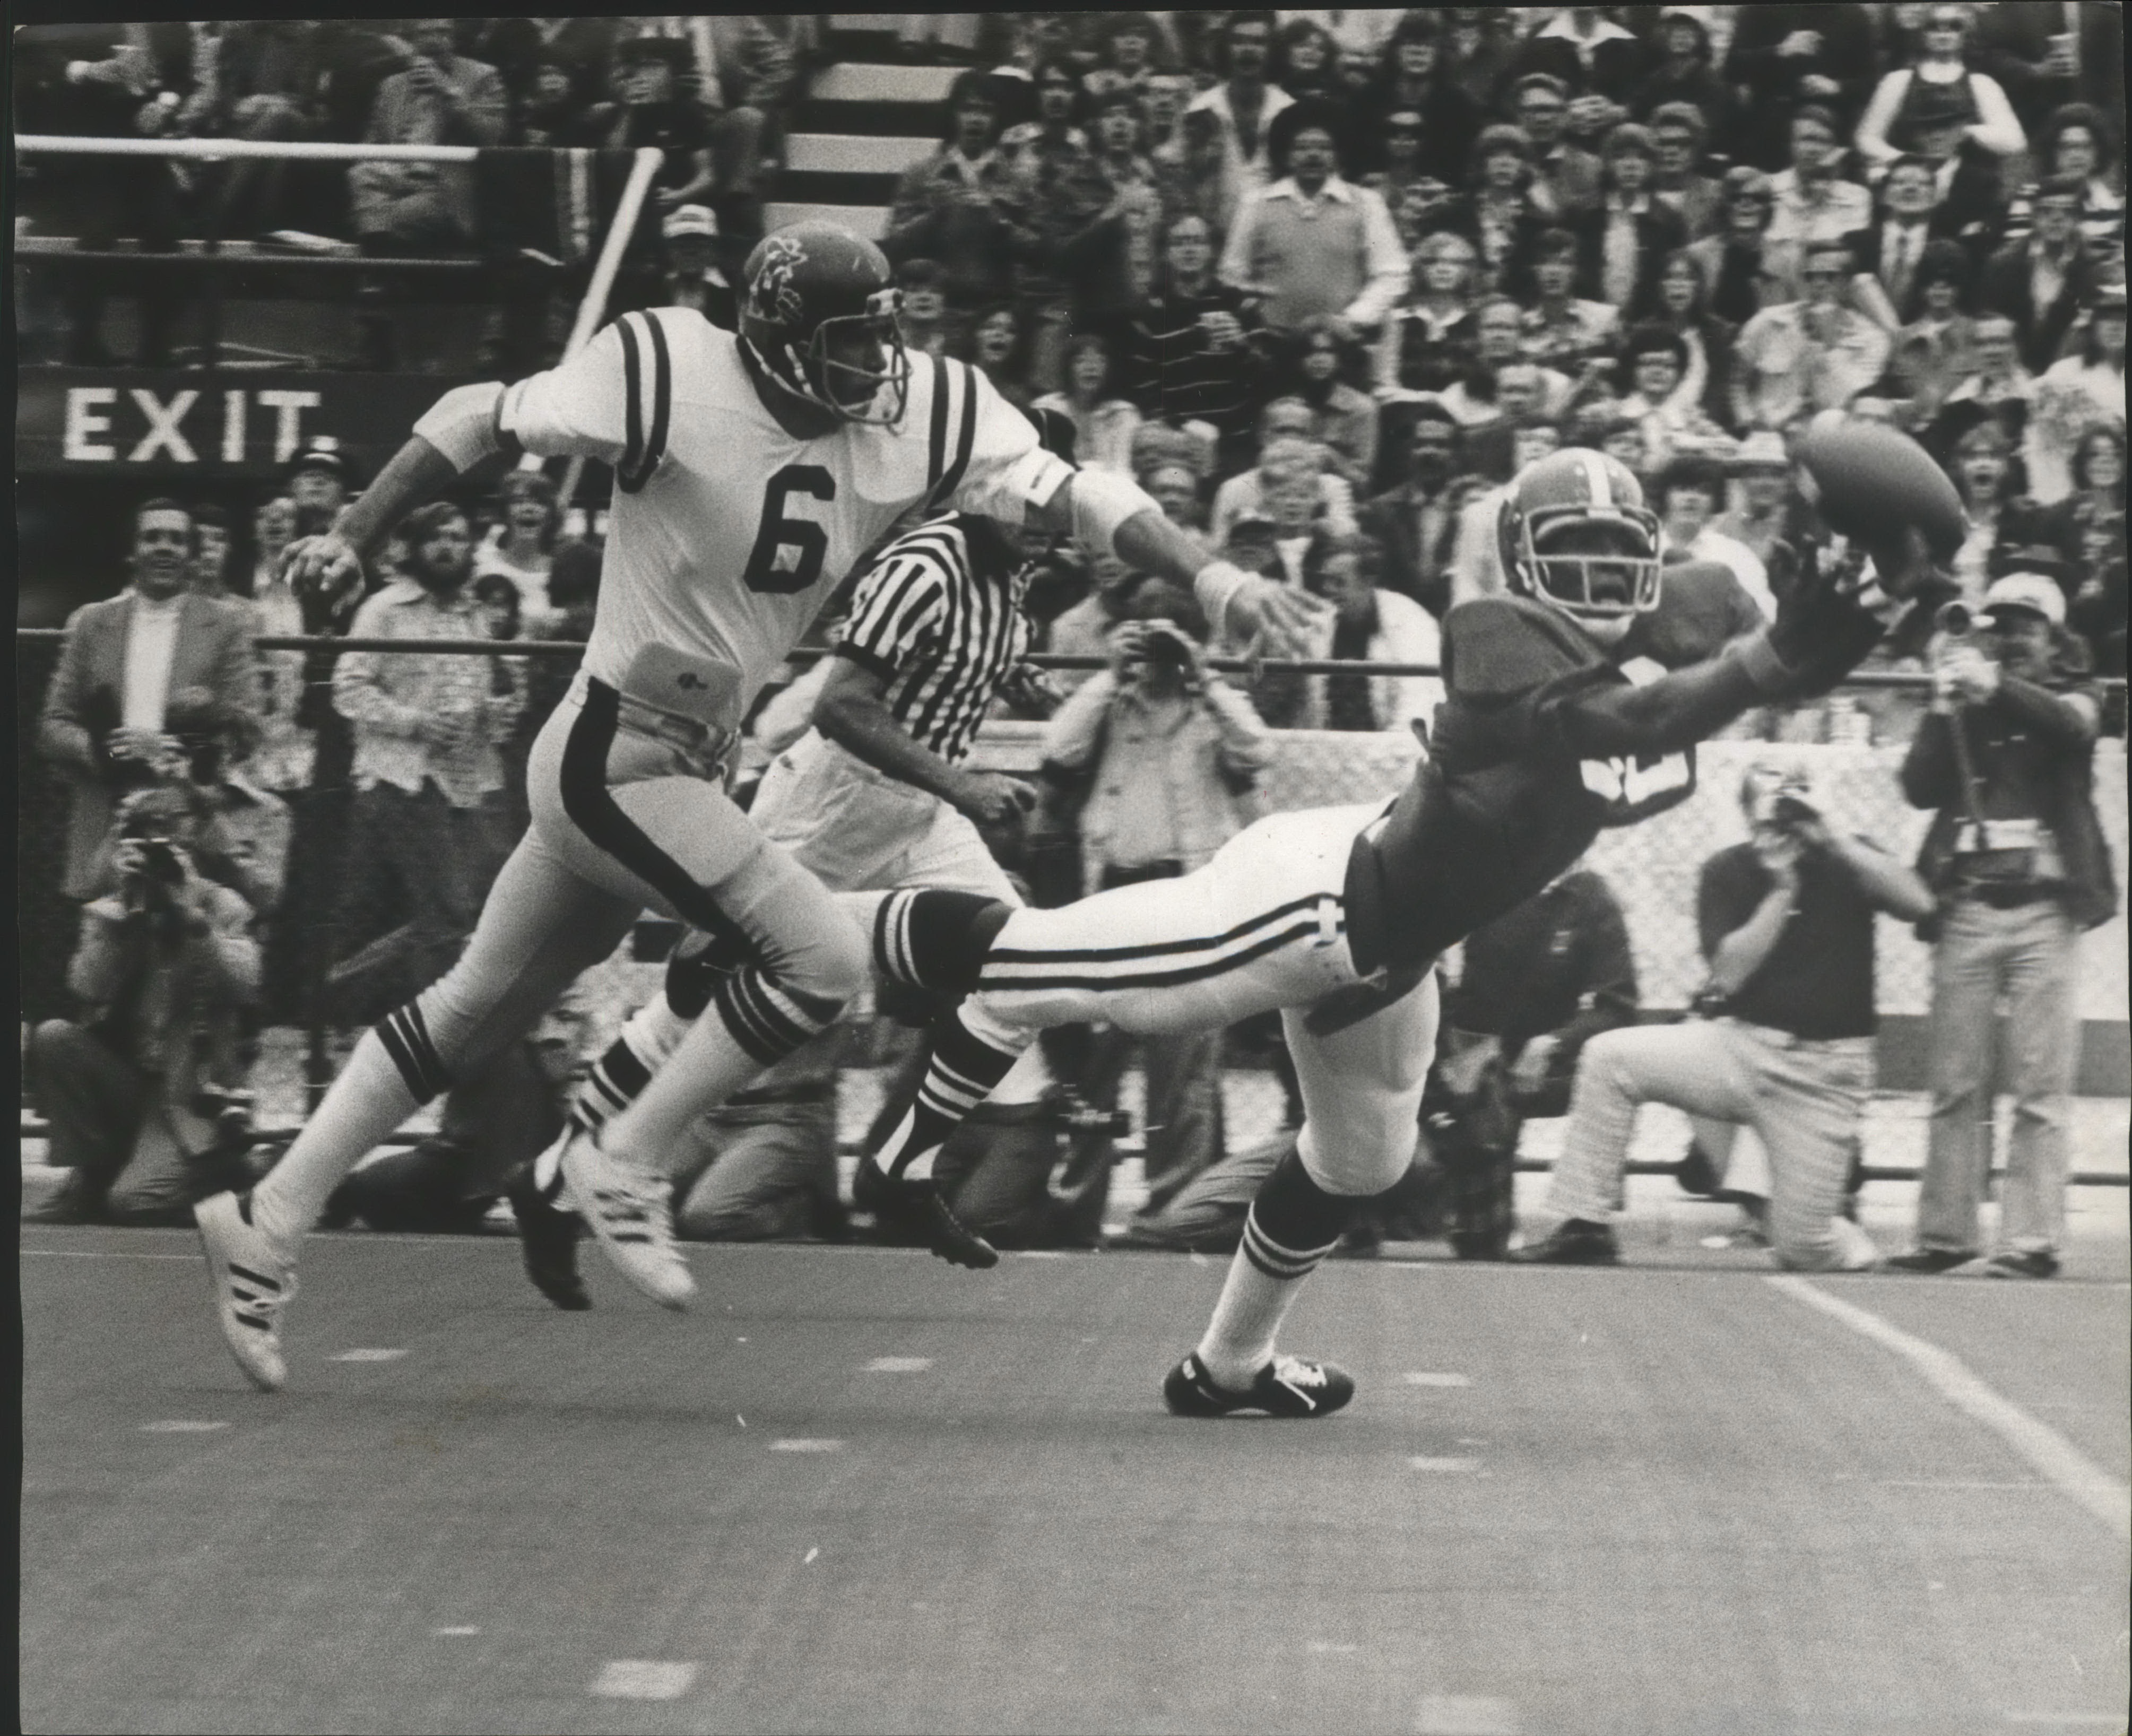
{"x":1821,"y":632}
{"x":992,"y":798}
{"x":324,"y":565}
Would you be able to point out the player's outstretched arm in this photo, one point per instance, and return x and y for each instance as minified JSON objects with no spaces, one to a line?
{"x":332,"y":560}
{"x":1821,"y":633}
{"x":1102,"y":510}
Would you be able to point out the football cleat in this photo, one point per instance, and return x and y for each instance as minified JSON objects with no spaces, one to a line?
{"x":1574,"y":1242}
{"x":1287,"y":1386}
{"x":547,"y":1239}
{"x":253,"y":1284}
{"x":629,"y":1211}
{"x":916,"y":1211}
{"x":2035,"y":1263}
{"x":1931,"y":1260}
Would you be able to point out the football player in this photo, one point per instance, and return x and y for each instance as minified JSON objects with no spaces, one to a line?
{"x":1574,"y":704}
{"x":751,"y":470}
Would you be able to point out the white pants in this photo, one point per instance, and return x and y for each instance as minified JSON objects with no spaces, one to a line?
{"x":860,"y":830}
{"x":1262,"y":926}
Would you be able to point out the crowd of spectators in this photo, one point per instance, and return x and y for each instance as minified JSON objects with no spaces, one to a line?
{"x":1322,"y":283}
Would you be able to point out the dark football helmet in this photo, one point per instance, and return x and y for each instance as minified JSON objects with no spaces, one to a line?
{"x":820,"y":312}
{"x":1574,"y":534}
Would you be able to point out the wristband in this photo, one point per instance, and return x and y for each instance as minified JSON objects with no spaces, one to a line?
{"x":1770,"y":673}
{"x":462,"y":425}
{"x":1102,"y":501}
{"x":1216,"y":585}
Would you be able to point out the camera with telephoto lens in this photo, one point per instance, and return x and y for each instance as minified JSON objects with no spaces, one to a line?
{"x":1163,"y":646}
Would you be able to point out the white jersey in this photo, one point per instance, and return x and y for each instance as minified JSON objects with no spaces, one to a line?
{"x":728,"y":534}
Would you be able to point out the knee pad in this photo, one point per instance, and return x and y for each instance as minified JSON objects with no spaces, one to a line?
{"x":935,"y":939}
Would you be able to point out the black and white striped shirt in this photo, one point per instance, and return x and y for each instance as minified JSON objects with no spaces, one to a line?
{"x":939,"y":617}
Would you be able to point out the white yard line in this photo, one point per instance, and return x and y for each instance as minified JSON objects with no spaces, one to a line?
{"x":2055,"y":1458}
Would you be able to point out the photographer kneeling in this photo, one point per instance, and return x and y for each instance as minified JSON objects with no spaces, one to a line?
{"x":1787,"y":925}
{"x":139,"y":1093}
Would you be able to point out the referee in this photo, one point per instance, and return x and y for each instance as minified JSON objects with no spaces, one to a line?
{"x":877,"y":794}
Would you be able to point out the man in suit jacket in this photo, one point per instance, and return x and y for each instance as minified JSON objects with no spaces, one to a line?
{"x":144,"y":679}
{"x":2042,"y":281}
{"x":1417,"y":523}
{"x":1891,"y":251}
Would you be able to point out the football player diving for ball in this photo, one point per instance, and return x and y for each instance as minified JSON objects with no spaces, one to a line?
{"x":1574,"y":703}
{"x":752,"y":470}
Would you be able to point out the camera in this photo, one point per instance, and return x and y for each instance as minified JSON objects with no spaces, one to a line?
{"x":159,"y":862}
{"x":1163,"y":647}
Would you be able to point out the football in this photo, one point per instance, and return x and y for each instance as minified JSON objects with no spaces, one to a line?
{"x":1870,"y":480}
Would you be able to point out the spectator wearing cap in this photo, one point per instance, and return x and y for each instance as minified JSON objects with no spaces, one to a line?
{"x":1313,"y":242}
{"x":1622,"y":242}
{"x":1812,"y":200}
{"x":1812,"y":354}
{"x":693,"y":276}
{"x":1564,"y":329}
{"x":2016,"y":858}
{"x":1791,"y":54}
{"x":1938,"y":349}
{"x":1428,"y":339}
{"x":2042,"y":282}
{"x":2078,"y":392}
{"x":1412,"y":106}
{"x":1243,"y":106}
{"x":1589,"y":55}
{"x":953,"y":206}
{"x":1565,"y":178}
{"x":1938,"y":91}
{"x":443,"y":99}
{"x":1416,"y":523}
{"x":318,"y":484}
{"x":1679,"y":135}
{"x":1684,"y":78}
{"x":1738,"y":263}
{"x":1760,"y":516}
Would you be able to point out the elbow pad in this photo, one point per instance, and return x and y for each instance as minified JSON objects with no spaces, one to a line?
{"x":462,"y":425}
{"x":1102,"y":502}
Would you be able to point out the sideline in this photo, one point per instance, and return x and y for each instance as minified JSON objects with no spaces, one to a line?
{"x":2054,"y":1456}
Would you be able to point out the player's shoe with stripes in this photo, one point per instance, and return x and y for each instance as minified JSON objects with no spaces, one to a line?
{"x":630,"y":1212}
{"x":547,"y":1237}
{"x":915,"y":1211}
{"x":1287,"y":1386}
{"x":253,"y":1284}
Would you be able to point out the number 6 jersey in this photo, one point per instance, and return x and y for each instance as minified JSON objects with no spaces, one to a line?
{"x":728,"y":534}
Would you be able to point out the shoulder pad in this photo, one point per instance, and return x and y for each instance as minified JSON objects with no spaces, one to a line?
{"x":1702,"y":604}
{"x":1498,"y":647}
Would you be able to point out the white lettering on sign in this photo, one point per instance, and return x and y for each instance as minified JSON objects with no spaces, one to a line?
{"x":288,"y":421}
{"x":84,"y":419}
{"x":232,"y":427}
{"x":163,"y":434}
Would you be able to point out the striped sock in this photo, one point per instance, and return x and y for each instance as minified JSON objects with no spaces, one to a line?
{"x":936,"y":940}
{"x":959,"y":1074}
{"x":1292,"y":1225}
